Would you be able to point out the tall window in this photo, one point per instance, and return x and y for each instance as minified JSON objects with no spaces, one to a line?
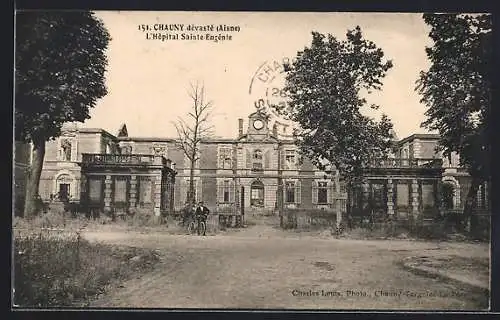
{"x":226,"y":191}
{"x":290,"y":159}
{"x":225,"y":155}
{"x":290,"y":192}
{"x":322,"y":192}
{"x":120,"y":189}
{"x":145,"y":192}
{"x":95,"y":189}
{"x":65,"y":151}
{"x":257,"y":160}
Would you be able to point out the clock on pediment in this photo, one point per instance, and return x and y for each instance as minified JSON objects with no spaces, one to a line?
{"x":257,"y":125}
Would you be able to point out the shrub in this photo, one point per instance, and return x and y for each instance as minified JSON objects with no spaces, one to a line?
{"x":431,"y":231}
{"x":52,"y":219}
{"x":144,"y":220}
{"x":65,"y":270}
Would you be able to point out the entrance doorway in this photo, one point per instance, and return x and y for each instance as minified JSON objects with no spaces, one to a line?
{"x":257,"y":194}
{"x":64,"y":191}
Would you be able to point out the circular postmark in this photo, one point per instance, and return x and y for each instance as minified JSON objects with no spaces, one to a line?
{"x":267,"y":90}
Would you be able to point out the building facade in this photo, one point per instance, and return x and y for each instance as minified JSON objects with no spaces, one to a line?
{"x":259,"y":170}
{"x":246,"y":172}
{"x":455,"y":177}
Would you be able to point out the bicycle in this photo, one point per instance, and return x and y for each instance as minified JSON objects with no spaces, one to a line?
{"x":197,"y":225}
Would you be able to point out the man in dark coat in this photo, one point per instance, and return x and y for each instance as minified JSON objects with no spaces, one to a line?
{"x":201,"y":213}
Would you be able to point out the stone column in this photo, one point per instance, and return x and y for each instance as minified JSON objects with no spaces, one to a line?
{"x":157,"y":195}
{"x":414,"y":197}
{"x":390,"y":199}
{"x":133,"y":192}
{"x":107,"y":194}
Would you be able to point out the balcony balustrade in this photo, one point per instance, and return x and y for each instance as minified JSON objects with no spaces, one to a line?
{"x":407,"y":163}
{"x":124,"y":159}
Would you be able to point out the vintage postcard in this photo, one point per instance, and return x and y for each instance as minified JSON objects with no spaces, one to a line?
{"x":252,"y":160}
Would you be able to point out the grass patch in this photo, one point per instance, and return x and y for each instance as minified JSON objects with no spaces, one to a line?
{"x":62,"y":269}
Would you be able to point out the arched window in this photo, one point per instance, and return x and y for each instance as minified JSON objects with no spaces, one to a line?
{"x":257,"y":194}
{"x":63,"y":185}
{"x":257,"y":155}
{"x":447,"y":194}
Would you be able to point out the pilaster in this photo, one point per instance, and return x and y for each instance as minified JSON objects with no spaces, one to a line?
{"x":390,"y":198}
{"x":133,"y":191}
{"x":107,"y":193}
{"x":414,"y":196}
{"x":157,"y":194}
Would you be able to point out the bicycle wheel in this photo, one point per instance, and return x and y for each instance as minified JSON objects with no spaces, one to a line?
{"x":203,"y":228}
{"x":191,"y":227}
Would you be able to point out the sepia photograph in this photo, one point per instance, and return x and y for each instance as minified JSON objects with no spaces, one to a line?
{"x":208,"y":160}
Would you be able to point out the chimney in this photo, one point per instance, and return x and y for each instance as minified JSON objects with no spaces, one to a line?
{"x":240,"y":127}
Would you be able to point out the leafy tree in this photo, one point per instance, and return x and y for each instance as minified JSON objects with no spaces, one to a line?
{"x":326,"y":86}
{"x":456,"y":90}
{"x":192,"y":131}
{"x":60,"y":66}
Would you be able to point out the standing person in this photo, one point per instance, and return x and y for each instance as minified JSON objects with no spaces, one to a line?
{"x":187,"y":212}
{"x":201,"y":214}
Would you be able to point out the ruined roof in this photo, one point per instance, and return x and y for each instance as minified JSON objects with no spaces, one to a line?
{"x":122,"y":132}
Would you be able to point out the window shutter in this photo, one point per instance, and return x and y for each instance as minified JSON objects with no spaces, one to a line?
{"x":220,"y":191}
{"x":315,"y":192}
{"x":231,"y":191}
{"x":297,"y":192}
{"x":284,"y":192}
{"x":234,"y":155}
{"x":219,"y":158}
{"x":283,"y":159}
{"x":331,"y":193}
{"x":249,"y":158}
{"x":266,"y":159}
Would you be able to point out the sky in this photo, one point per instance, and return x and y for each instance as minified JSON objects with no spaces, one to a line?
{"x":148,"y":80}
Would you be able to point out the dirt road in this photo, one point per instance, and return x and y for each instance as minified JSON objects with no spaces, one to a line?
{"x":261,"y":267}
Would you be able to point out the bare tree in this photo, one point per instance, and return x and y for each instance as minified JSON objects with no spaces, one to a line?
{"x":193,"y":129}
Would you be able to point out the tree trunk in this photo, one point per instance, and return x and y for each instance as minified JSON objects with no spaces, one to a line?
{"x":33,"y":179}
{"x":470,"y":204}
{"x":191,"y":198}
{"x":350,"y":203}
